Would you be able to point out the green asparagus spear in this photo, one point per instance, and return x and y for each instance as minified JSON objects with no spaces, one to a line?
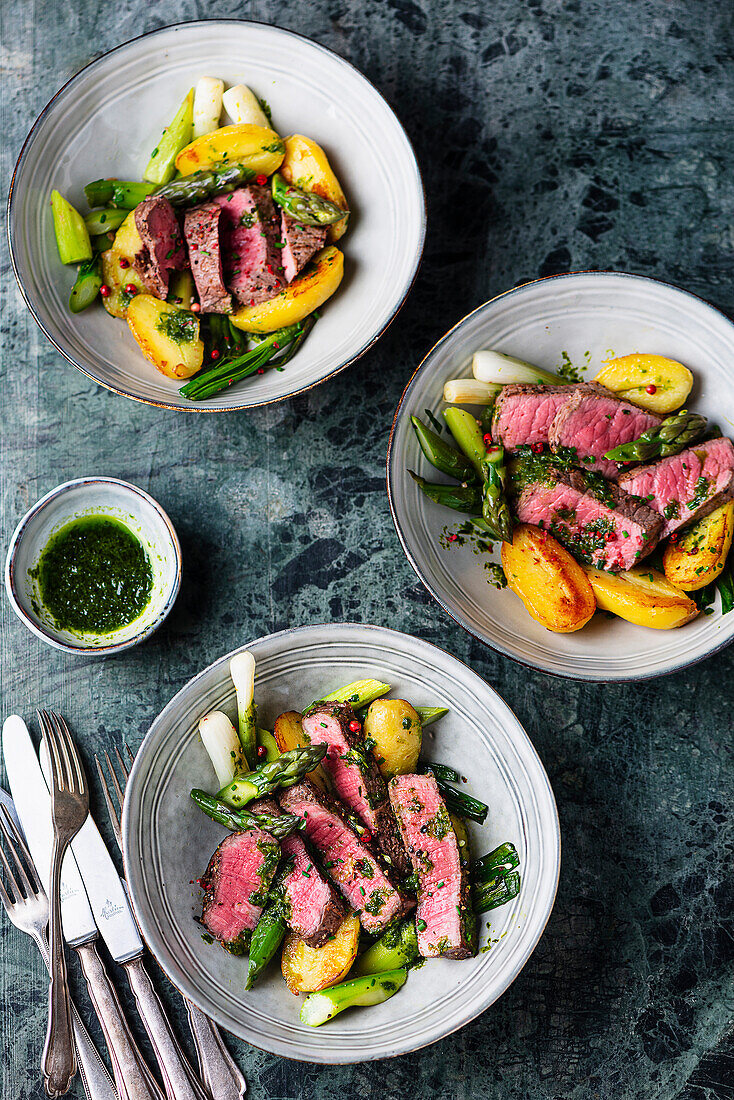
{"x":446,"y":459}
{"x":429,"y":715}
{"x":162,"y":164}
{"x":99,"y":192}
{"x":396,"y":947}
{"x":86,"y":287}
{"x":372,"y":989}
{"x":496,"y":892}
{"x":463,"y":805}
{"x":468,"y":500}
{"x":105,"y":220}
{"x":305,"y":206}
{"x":672,"y":436}
{"x":495,"y":510}
{"x":498,"y":862}
{"x":467,"y":433}
{"x":205,"y":184}
{"x":268,"y":777}
{"x":266,"y":938}
{"x":72,"y":237}
{"x":279,"y":827}
{"x":440,"y":771}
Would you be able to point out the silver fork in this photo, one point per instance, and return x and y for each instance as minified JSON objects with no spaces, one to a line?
{"x":70,"y":806}
{"x":28,"y":910}
{"x":218,"y":1070}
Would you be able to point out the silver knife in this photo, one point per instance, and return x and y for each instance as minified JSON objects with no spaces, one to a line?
{"x":33,"y":806}
{"x":118,"y":929}
{"x":95,"y":1078}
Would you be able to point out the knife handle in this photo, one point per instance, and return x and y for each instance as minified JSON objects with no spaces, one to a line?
{"x":217,"y":1068}
{"x":59,"y":1056}
{"x":133,"y":1078}
{"x":179,"y":1079}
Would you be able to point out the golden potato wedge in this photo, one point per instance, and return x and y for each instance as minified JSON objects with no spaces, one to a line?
{"x":700,"y":554}
{"x":288,"y":733}
{"x":551,"y":584}
{"x":308,"y":969}
{"x":395,"y":728}
{"x":309,"y":290}
{"x":631,"y":376}
{"x":642,"y":596}
{"x":306,"y":165}
{"x":257,"y":147}
{"x":117,"y":275}
{"x":167,"y":335}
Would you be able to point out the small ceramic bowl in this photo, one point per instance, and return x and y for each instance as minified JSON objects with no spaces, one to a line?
{"x":93,"y":496}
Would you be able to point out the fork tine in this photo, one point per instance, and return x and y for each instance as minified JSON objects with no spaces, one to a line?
{"x":54,"y":759}
{"x":121,"y":761}
{"x":77,"y":766}
{"x":111,"y":809}
{"x":118,"y":789}
{"x":7,"y":827}
{"x":66,"y":753}
{"x":131,"y":754}
{"x":17,"y":895}
{"x":18,"y":841}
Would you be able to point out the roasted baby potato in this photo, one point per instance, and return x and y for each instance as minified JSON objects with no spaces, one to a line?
{"x":309,"y":290}
{"x":126,"y":246}
{"x":256,"y":147}
{"x":167,"y":335}
{"x":395,"y":727}
{"x":700,"y":554}
{"x":551,"y":584}
{"x":308,"y":969}
{"x":632,"y":376}
{"x":642,"y":596}
{"x":306,"y":165}
{"x":288,"y":733}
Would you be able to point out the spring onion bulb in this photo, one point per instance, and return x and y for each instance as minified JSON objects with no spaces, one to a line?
{"x":220,"y":740}
{"x":207,"y":105}
{"x":469,"y":391}
{"x":495,"y":366}
{"x":242,"y":671}
{"x":242,"y":105}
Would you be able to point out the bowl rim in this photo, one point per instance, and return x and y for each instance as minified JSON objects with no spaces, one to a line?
{"x":17,"y":538}
{"x":290,"y":633}
{"x":400,"y":412}
{"x":195,"y":406}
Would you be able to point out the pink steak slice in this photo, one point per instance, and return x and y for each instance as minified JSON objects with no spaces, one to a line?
{"x":236,"y":885}
{"x":523,"y":414}
{"x":593,"y":421}
{"x":687,"y":486}
{"x":444,"y":918}
{"x":163,"y":247}
{"x":355,"y":775}
{"x":350,"y":863}
{"x":300,"y":242}
{"x":253,"y":264}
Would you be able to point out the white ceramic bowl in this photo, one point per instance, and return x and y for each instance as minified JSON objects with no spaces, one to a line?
{"x":93,"y":496}
{"x":105,"y":122}
{"x":589,"y":316}
{"x":168,"y":841}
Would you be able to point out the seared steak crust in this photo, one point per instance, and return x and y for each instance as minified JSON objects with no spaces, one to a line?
{"x":163,"y":247}
{"x":356,"y":777}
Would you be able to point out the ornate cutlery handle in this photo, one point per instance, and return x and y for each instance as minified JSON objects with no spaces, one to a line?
{"x":59,"y":1058}
{"x":133,"y":1078}
{"x":217,"y":1068}
{"x":179,"y":1079}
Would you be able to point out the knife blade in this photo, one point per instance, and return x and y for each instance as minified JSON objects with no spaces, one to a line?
{"x":105,"y":891}
{"x":33,"y":807}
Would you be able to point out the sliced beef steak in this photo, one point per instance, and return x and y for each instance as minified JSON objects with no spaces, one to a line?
{"x":202,"y":232}
{"x":444,"y":917}
{"x":350,"y":863}
{"x":300,"y":242}
{"x":236,"y":885}
{"x":356,"y":777}
{"x":523,"y":414}
{"x":253,"y":265}
{"x":687,"y":486}
{"x":163,"y":247}
{"x":593,"y":421}
{"x":313,"y":908}
{"x":598,"y":521}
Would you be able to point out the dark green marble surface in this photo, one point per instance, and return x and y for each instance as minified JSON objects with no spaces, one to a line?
{"x":552,"y":136}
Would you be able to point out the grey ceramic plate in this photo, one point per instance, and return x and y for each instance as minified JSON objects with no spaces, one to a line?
{"x":105,"y":122}
{"x":586,"y":317}
{"x":167,"y":841}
